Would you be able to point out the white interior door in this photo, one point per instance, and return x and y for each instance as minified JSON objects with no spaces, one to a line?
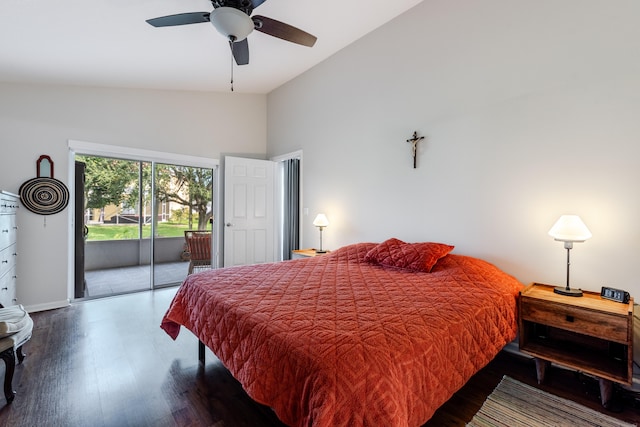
{"x":249,"y":216}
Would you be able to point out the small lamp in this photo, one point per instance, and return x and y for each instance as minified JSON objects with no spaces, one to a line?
{"x":569,"y":229}
{"x":321,"y":222}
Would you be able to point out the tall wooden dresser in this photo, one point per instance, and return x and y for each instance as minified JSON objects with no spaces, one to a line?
{"x":9,"y":204}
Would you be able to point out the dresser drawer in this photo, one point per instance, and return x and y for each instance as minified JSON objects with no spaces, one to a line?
{"x":8,"y":204}
{"x":8,"y":230}
{"x":8,"y":288}
{"x":8,"y":258}
{"x":577,"y":319}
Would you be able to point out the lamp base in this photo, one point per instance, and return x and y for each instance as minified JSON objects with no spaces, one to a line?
{"x":568,"y":292}
{"x":321,"y":251}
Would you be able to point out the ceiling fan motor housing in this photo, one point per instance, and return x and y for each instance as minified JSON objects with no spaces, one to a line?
{"x":232,"y":23}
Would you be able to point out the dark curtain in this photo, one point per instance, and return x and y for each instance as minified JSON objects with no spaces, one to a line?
{"x":291,"y":227}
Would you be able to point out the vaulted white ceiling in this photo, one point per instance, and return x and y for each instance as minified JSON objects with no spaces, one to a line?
{"x":108,"y":43}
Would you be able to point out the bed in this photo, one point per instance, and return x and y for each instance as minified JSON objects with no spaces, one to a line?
{"x":368,"y":335}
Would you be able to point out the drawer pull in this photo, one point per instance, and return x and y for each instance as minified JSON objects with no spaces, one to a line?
{"x":570,"y":319}
{"x":5,"y":231}
{"x":5,"y":261}
{"x":4,"y":289}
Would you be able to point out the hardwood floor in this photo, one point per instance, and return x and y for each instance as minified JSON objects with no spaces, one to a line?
{"x":107,"y":363}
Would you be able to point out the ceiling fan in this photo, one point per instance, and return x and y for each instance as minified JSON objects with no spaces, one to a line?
{"x":232,"y":18}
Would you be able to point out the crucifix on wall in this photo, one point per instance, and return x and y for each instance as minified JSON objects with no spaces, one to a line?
{"x":414,"y":146}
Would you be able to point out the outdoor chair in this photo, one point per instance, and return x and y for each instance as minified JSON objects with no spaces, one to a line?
{"x":199,"y":248}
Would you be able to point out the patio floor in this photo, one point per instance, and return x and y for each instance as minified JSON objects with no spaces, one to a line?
{"x":122,"y":280}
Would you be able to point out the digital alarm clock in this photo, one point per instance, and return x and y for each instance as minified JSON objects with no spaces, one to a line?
{"x":615,"y":294}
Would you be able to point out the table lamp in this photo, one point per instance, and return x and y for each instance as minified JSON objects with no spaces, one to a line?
{"x":321,"y":222}
{"x":569,"y":229}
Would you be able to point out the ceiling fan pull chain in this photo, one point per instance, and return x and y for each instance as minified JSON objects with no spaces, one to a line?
{"x":231,"y":41}
{"x":232,"y":71}
{"x":231,"y":66}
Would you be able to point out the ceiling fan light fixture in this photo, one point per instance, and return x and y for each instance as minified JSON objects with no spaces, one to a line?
{"x":232,"y":23}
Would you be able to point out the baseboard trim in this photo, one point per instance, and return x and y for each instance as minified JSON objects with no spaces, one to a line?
{"x":47,"y":306}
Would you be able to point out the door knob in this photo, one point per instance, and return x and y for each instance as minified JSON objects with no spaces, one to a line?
{"x":229,"y":224}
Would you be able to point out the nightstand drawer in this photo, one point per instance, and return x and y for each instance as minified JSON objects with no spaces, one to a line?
{"x":577,"y":319}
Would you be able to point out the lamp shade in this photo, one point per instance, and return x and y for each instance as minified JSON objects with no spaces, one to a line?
{"x":231,"y":22}
{"x":321,"y":220}
{"x":570,"y":228}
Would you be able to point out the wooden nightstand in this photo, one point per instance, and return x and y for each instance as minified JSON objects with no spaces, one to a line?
{"x":305,"y":253}
{"x":588,"y":333}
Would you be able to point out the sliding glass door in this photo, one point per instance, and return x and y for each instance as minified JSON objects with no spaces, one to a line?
{"x":183,"y":202}
{"x":135,"y":214}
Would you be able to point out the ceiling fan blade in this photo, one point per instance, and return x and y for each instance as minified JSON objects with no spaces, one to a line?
{"x":257,"y":3}
{"x":180,"y":19}
{"x":283,"y":31}
{"x":240,"y":51}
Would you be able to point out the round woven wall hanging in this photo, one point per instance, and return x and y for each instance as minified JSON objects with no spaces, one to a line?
{"x":44,"y":195}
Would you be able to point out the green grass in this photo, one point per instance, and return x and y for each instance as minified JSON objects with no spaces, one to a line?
{"x":130,"y":231}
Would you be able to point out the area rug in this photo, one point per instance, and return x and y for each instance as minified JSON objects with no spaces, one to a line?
{"x":514,"y":404}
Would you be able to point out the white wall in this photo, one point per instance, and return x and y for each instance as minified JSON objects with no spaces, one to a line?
{"x":530,"y":110}
{"x":37,"y":120}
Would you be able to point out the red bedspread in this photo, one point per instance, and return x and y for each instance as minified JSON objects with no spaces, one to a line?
{"x":335,"y":341}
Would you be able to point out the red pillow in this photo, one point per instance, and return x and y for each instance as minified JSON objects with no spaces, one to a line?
{"x":383,"y":250}
{"x":411,"y":256}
